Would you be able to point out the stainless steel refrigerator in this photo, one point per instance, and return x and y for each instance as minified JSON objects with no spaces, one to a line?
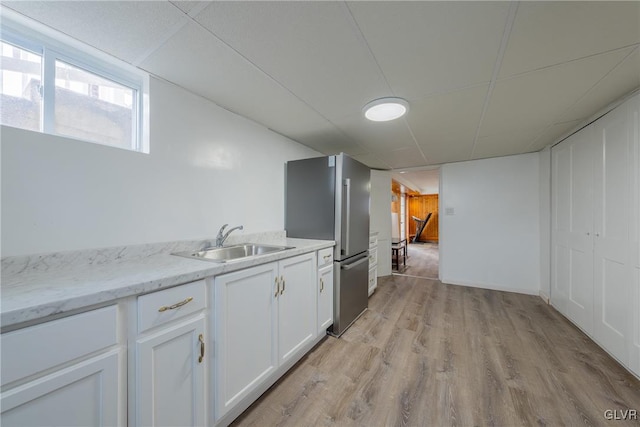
{"x":328,"y":198}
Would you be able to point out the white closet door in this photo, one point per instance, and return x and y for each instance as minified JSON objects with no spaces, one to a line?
{"x":634,"y":301}
{"x":572,"y":252}
{"x":580,"y":234}
{"x":560,"y":223}
{"x":613,"y":209}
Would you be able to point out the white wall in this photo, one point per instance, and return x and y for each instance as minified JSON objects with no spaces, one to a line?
{"x":381,"y":218}
{"x":545,"y":224}
{"x":207,"y":167}
{"x":492,"y":239}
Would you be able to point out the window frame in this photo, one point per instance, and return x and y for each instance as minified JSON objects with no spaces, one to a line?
{"x":53,"y":46}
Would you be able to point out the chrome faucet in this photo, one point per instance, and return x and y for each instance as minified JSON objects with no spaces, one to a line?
{"x":220,"y":238}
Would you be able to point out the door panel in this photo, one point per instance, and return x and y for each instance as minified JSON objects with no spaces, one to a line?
{"x":310,"y":191}
{"x":351,"y":287}
{"x":634,"y":351}
{"x":580,"y":298}
{"x":296,"y":304}
{"x":246,"y":333}
{"x":612,"y":268}
{"x":560,"y":223}
{"x":580,"y":301}
{"x":171,"y":378}
{"x":354,"y":207}
{"x":80,"y":395}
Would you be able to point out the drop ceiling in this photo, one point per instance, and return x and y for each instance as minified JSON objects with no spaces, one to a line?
{"x":483,"y":79}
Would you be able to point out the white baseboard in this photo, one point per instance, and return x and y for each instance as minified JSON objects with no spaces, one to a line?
{"x":546,"y":298}
{"x":490,"y":286}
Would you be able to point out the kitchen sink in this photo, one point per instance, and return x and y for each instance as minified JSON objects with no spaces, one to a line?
{"x":232,"y":253}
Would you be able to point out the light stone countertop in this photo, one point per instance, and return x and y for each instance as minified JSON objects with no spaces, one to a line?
{"x":33,"y":289}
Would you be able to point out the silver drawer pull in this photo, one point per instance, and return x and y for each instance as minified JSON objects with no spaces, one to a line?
{"x":326,"y":256}
{"x":176,"y":305}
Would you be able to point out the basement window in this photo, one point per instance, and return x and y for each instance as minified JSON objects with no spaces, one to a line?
{"x":52,"y":84}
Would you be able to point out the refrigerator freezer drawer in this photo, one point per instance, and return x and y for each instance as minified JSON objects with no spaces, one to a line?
{"x":350,"y":292}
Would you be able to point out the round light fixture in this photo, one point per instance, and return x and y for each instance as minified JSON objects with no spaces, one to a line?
{"x":385,"y":109}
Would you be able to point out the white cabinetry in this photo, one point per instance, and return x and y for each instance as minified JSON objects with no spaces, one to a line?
{"x":171,"y":357}
{"x":373,"y":262}
{"x":265,"y":318}
{"x":595,"y":219}
{"x":66,"y":372}
{"x":325,"y":290}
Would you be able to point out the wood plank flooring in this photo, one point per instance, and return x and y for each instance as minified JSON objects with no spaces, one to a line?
{"x":422,"y":260}
{"x":430,"y":354}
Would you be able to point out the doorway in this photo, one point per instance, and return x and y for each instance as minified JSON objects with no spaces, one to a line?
{"x":415,"y":232}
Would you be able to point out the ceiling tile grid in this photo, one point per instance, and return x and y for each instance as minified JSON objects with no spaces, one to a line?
{"x":430,"y":47}
{"x":547,"y":33}
{"x":217,"y":73}
{"x":538,"y":98}
{"x":305,"y":69}
{"x":311,"y":48}
{"x":124,"y":29}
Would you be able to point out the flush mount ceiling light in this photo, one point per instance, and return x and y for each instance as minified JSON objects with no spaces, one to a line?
{"x":385,"y":109}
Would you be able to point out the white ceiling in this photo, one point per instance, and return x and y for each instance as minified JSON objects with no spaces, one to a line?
{"x":483,"y":79}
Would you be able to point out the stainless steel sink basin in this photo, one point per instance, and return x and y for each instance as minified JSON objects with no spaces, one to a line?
{"x":232,"y":253}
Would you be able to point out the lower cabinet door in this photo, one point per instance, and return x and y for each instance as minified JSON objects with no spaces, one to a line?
{"x":85,"y":394}
{"x":325,"y":299}
{"x":171,"y":376}
{"x":373,"y":279}
{"x":296,"y":305}
{"x":245,"y":311}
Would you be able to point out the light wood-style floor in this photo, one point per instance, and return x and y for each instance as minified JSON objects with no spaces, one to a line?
{"x":422,"y":261}
{"x":429,"y":354}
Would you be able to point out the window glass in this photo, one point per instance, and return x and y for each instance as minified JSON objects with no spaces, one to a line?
{"x":20,"y":80}
{"x":93,"y":108}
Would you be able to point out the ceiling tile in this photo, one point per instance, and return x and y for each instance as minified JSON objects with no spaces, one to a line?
{"x":505,"y":144}
{"x":537,"y":99}
{"x":403,"y":158}
{"x":553,"y":134}
{"x":426,"y":47}
{"x":187,"y":6}
{"x":328,"y":140}
{"x":445,"y":125}
{"x":376,"y":136}
{"x":551,"y":32}
{"x":373,"y":161}
{"x":124,"y":29}
{"x":216,"y":72}
{"x":622,"y":80}
{"x":312,"y":48}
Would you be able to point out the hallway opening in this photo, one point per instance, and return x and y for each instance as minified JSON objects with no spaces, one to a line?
{"x":414,"y":217}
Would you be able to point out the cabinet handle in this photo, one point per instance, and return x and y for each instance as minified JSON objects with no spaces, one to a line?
{"x":321,"y":285}
{"x":277,"y":288}
{"x":588,"y":234}
{"x":597,"y":234}
{"x":176,"y":305}
{"x":283,"y":284}
{"x":326,"y":257}
{"x":201,"y":339}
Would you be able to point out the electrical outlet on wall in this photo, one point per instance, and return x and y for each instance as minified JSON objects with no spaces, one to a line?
{"x":449,"y":211}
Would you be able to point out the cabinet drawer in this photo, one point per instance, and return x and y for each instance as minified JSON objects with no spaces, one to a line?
{"x":373,"y":257}
{"x":34,"y":349}
{"x":325,"y":257}
{"x":373,"y":242}
{"x":171,"y":304}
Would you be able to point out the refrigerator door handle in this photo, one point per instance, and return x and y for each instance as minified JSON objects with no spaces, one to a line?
{"x":354,"y":264}
{"x":347,"y":185}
